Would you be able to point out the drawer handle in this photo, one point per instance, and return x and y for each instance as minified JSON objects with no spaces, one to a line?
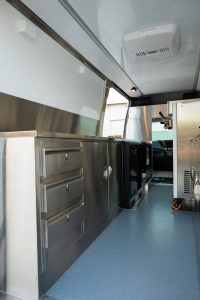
{"x":67,"y":187}
{"x":66,"y":156}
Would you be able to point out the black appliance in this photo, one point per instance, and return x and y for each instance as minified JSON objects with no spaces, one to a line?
{"x":145,"y":155}
{"x":132,"y":180}
{"x":163,"y":155}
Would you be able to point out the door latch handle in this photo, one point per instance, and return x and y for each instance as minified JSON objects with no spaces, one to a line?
{"x":107,"y":172}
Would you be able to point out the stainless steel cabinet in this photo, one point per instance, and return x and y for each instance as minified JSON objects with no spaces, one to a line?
{"x":102,"y":165}
{"x":43,"y":196}
{"x":115,"y":178}
{"x":95,"y":161}
{"x":57,"y":195}
{"x":61,"y":202}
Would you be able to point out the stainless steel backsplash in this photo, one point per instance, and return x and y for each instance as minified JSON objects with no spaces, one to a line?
{"x":18,"y":114}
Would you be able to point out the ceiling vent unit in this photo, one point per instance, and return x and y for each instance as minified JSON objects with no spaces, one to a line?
{"x":156,"y":42}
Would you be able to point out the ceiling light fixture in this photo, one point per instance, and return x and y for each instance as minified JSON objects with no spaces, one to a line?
{"x":134,"y":89}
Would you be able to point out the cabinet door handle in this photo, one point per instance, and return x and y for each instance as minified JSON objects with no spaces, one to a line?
{"x":67,"y":187}
{"x":66,"y":156}
{"x":105,"y":173}
{"x":109,"y":171}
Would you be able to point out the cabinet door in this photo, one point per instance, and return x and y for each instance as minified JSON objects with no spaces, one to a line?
{"x":115,"y":179}
{"x":95,"y":184}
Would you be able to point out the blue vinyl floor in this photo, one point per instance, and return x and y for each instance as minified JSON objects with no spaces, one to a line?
{"x":148,"y":254}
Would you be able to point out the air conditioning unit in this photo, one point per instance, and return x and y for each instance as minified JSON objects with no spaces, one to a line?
{"x":156,"y":42}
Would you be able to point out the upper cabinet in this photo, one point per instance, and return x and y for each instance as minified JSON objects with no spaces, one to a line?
{"x":69,"y":26}
{"x":36,"y":68}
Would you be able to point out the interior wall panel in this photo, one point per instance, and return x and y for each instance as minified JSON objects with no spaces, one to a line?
{"x":40,"y":70}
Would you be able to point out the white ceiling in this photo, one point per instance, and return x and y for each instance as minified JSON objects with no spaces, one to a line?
{"x":109,"y":20}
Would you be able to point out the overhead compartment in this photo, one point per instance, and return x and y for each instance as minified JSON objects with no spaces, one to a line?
{"x":73,"y":31}
{"x":49,"y":74}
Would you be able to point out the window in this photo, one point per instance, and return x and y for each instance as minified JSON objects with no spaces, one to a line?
{"x":160,"y":133}
{"x":115,"y":114}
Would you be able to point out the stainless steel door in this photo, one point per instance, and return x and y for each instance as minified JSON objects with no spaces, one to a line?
{"x":115,"y":179}
{"x":194,"y":192}
{"x":186,"y":128}
{"x":95,"y":184}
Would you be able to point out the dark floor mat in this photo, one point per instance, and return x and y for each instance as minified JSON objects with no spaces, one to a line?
{"x":165,"y":180}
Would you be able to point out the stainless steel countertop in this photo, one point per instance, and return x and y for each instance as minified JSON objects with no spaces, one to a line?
{"x":39,"y":134}
{"x":42,"y":134}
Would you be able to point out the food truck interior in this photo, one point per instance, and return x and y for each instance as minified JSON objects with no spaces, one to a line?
{"x":99,"y":150}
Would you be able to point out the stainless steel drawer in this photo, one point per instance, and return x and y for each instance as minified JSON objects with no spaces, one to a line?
{"x":55,"y":162}
{"x":60,"y":196}
{"x":61,"y":232}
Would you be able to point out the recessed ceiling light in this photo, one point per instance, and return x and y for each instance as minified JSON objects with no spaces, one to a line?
{"x":134,"y":89}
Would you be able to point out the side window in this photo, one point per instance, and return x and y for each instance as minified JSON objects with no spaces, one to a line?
{"x":115,"y":114}
{"x":159,"y":133}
